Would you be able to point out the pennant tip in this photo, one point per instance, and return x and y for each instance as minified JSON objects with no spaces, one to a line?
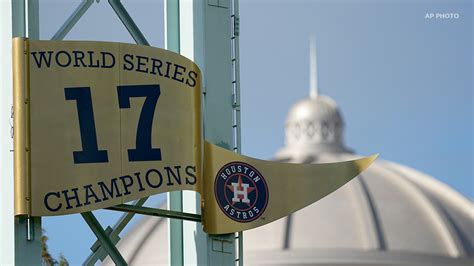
{"x":364,"y":163}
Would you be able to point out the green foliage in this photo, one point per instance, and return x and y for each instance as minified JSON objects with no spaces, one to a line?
{"x":62,"y":260}
{"x":48,"y":260}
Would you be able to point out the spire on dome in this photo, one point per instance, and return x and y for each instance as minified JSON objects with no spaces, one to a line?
{"x":314,"y":124}
{"x":313,"y":69}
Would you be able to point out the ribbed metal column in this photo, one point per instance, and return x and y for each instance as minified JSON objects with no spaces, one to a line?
{"x":175,"y":199}
{"x":205,"y":37}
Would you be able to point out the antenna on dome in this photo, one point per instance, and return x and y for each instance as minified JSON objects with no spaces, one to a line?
{"x":313,"y":69}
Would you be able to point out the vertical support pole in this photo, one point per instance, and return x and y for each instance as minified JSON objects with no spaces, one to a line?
{"x":236,"y":103}
{"x":205,"y":37}
{"x":7,"y":225}
{"x":175,"y":199}
{"x":32,"y":21}
{"x":27,"y":230}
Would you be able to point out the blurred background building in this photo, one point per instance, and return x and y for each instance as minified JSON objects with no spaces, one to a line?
{"x":389,"y":215}
{"x":405,"y":85}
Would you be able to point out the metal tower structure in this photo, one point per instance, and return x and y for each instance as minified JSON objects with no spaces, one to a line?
{"x":205,"y":31}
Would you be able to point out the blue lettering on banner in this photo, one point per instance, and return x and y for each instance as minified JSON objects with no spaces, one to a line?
{"x":104,"y":59}
{"x":90,"y":152}
{"x":76,"y":197}
{"x":143,"y":150}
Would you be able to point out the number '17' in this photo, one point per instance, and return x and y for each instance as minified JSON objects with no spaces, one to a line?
{"x":90,"y":152}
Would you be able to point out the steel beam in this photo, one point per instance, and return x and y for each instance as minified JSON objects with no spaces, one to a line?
{"x":72,"y":20}
{"x":156,"y":212}
{"x":128,"y":22}
{"x":103,"y":238}
{"x":98,"y":252}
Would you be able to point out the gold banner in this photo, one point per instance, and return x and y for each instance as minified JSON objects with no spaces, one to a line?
{"x":102,"y":124}
{"x":97,"y":124}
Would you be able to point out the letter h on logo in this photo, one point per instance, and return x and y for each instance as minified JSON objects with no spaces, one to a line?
{"x":240,"y":189}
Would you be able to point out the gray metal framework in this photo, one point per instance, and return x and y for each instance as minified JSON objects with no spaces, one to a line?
{"x":25,"y":21}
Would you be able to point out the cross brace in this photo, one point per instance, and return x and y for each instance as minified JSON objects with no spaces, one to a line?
{"x":156,"y":212}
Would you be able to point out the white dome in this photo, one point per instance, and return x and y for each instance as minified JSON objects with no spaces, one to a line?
{"x":315,"y":123}
{"x":389,"y":215}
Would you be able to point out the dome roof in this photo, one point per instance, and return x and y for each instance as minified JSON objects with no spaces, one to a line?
{"x":390,"y":214}
{"x":313,"y":123}
{"x":314,"y":108}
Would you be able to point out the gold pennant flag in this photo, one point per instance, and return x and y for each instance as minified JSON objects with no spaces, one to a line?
{"x":98,"y":124}
{"x":242,"y":193}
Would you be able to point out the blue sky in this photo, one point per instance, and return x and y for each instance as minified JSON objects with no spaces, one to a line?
{"x":403,"y":81}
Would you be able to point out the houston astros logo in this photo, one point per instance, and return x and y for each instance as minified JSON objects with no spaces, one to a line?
{"x":241,"y":191}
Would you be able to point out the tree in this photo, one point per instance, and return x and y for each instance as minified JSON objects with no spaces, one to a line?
{"x":62,"y":260}
{"x":48,"y":260}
